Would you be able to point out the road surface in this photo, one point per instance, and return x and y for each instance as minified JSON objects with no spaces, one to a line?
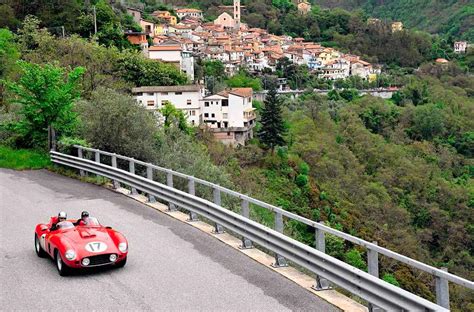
{"x":171,"y":266}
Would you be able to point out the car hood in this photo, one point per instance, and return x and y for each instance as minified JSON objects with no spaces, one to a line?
{"x":80,"y":236}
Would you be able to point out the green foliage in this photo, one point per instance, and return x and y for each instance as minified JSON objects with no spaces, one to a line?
{"x":389,"y":278}
{"x":46,"y":96}
{"x":354,"y":258}
{"x":272,"y":131}
{"x":117,"y":123}
{"x":174,"y":117}
{"x":243,"y":80}
{"x":145,"y":72}
{"x":428,"y":123}
{"x":22,"y":159}
{"x":214,"y":68}
{"x":9,"y":53}
{"x":301,"y":180}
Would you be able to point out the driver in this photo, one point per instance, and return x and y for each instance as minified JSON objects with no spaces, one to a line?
{"x":83,"y":219}
{"x":62,"y":216}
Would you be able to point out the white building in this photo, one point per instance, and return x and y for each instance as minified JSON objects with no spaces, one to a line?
{"x":460,"y":46}
{"x":172,"y":52}
{"x":194,"y":13}
{"x":229,"y":115}
{"x":186,"y":98}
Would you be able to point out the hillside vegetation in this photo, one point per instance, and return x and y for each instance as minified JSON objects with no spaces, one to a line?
{"x":451,"y":17}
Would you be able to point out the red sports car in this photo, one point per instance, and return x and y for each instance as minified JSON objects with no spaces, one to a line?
{"x":85,"y":245}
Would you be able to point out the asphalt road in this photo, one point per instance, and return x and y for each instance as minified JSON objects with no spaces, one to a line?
{"x":171,"y":266}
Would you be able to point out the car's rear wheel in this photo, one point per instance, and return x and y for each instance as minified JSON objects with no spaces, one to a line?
{"x":122,"y":263}
{"x":39,"y":250}
{"x":62,"y":267}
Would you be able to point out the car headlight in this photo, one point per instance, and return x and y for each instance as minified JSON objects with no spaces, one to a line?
{"x":70,"y":254}
{"x":122,"y":247}
{"x":86,"y":261}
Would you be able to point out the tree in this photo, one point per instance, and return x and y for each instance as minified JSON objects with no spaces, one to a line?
{"x":8,"y":56}
{"x":46,"y":96}
{"x":117,"y":123}
{"x":145,"y":72}
{"x":273,"y":129}
{"x":243,"y":80}
{"x":174,"y":117}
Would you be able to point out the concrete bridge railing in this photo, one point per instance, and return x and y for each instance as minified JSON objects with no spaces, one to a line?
{"x":328,"y":270}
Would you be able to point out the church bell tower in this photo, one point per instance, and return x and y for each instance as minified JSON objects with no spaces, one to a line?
{"x":237,"y":14}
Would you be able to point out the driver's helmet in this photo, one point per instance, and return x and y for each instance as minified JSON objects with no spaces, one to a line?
{"x":62,"y":216}
{"x":84,"y":215}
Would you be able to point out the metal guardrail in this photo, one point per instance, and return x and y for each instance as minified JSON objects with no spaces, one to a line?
{"x":365,"y":285}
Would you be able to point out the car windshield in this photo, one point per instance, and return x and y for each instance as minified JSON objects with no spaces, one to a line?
{"x":91,"y":221}
{"x":65,"y":225}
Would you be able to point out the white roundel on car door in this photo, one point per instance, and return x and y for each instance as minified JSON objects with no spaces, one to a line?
{"x":96,"y":247}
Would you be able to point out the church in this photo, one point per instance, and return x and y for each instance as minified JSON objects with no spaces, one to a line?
{"x":231,"y":22}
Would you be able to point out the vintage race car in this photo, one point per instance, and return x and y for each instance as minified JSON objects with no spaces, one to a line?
{"x":88,"y":244}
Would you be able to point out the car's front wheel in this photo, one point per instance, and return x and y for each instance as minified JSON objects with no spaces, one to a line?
{"x":62,"y":267}
{"x":122,"y":263}
{"x":39,"y":250}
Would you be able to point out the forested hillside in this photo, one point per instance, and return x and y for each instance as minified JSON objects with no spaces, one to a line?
{"x":398,"y":171}
{"x":452,"y":17}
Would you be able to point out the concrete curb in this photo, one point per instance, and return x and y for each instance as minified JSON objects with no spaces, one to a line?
{"x":331,"y":296}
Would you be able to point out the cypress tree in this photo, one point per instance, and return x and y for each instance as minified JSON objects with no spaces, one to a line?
{"x":273,"y":129}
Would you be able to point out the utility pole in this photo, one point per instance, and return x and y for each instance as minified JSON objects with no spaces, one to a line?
{"x":95,"y":20}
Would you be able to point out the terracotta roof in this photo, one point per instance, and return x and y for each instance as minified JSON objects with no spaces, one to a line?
{"x":165,"y":48}
{"x":185,"y":88}
{"x":242,"y":92}
{"x":188,"y":11}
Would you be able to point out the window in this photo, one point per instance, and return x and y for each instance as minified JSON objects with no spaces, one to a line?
{"x":164,"y":102}
{"x":224,"y":115}
{"x":178,"y":93}
{"x":150,"y":103}
{"x":206,"y":115}
{"x":188,"y":102}
{"x":192,"y":113}
{"x":206,"y":104}
{"x":164,"y":93}
{"x":213,"y":115}
{"x":150,"y":94}
{"x":225,"y":102}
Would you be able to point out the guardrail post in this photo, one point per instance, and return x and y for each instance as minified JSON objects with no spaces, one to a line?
{"x":169,"y":182}
{"x":320,"y":244}
{"x":114,"y":164}
{"x":442,"y":291}
{"x":280,"y":261}
{"x":246,"y":243}
{"x":149,"y":176}
{"x":373,"y":269}
{"x":97,"y":156}
{"x":218,"y":229}
{"x":192,"y":190}
{"x":132,"y":170}
{"x":79,"y":154}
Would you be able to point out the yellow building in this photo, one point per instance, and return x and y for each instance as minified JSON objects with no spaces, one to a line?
{"x":166,"y":17}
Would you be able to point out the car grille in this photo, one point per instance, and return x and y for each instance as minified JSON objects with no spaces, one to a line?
{"x":100,"y":259}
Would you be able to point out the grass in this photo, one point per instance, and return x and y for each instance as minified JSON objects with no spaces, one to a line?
{"x":22,"y":159}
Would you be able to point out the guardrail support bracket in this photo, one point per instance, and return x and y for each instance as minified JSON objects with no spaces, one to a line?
{"x":218,"y":229}
{"x":246,"y":244}
{"x":321,"y":284}
{"x":279,"y":262}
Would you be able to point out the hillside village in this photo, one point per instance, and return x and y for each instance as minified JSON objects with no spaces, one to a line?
{"x":237,"y":46}
{"x":229,"y":115}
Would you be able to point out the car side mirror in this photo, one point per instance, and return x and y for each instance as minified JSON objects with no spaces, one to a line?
{"x":108,"y":227}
